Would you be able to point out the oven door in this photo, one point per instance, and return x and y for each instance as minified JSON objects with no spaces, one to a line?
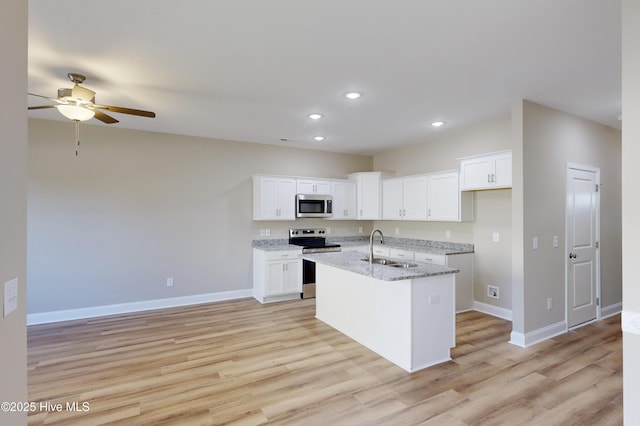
{"x":308,"y":279}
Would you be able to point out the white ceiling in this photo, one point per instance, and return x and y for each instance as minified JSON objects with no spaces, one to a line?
{"x":252,"y":70}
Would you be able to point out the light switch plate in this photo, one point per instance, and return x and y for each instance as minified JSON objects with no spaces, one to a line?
{"x":535,"y":243}
{"x":10,"y":296}
{"x":496,"y":237}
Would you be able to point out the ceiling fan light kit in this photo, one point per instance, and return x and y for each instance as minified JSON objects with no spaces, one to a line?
{"x":78,"y":104}
{"x":75,"y":112}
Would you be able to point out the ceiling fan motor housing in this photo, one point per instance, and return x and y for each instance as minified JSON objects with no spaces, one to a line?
{"x":77,"y":94}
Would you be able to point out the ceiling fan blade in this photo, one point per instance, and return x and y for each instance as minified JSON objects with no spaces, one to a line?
{"x":104,"y":117}
{"x":41,"y":107}
{"x":46,"y":97}
{"x":126,"y":110}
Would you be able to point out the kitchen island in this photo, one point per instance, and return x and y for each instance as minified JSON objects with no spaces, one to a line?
{"x":405,"y":313}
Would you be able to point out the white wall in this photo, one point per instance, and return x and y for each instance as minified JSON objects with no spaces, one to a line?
{"x":492,"y":261}
{"x":631,"y":204}
{"x":134,"y":208}
{"x":13,"y":195}
{"x":549,"y":140}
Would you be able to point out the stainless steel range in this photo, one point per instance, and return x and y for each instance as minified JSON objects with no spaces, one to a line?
{"x":312,"y":240}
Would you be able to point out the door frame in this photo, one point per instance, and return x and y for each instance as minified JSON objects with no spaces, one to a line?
{"x":596,"y":170}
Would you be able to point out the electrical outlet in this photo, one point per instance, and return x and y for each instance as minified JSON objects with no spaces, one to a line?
{"x":447,"y":234}
{"x":535,"y":243}
{"x":328,"y":230}
{"x":267,"y":232}
{"x":359,"y":229}
{"x":169,"y":282}
{"x":397,"y":231}
{"x":549,"y":304}
{"x":555,"y":241}
{"x":496,"y":237}
{"x":493,"y":292}
{"x":263,"y":232}
{"x":10,"y":296}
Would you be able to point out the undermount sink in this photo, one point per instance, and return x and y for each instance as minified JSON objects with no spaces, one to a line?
{"x":392,"y":263}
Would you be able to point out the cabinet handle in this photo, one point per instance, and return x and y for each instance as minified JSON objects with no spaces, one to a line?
{"x":493,"y":178}
{"x":489,"y":178}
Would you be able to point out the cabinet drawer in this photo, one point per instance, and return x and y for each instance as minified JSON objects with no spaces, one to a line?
{"x":438,"y":259}
{"x":283,"y":255}
{"x":401,"y":254}
{"x":381,"y":251}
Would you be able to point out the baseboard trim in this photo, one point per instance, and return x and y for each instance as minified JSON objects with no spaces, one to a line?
{"x":125,"y":308}
{"x":495,"y":311}
{"x":611,"y":310}
{"x":539,"y":335}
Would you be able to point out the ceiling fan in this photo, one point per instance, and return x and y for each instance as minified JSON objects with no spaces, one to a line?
{"x":78,"y":104}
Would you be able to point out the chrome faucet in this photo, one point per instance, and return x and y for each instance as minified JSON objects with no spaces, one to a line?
{"x":371,"y":243}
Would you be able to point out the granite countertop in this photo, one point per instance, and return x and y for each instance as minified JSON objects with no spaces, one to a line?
{"x":422,"y":246}
{"x":351,"y":261}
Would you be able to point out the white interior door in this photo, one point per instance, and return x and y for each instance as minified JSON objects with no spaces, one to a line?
{"x":582,"y":244}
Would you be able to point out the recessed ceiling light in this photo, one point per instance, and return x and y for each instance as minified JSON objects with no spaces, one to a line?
{"x":319,"y":138}
{"x":353,"y":95}
{"x":437,"y":123}
{"x":315,"y":116}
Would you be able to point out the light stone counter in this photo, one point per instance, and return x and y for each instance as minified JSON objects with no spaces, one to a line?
{"x":352,"y":262}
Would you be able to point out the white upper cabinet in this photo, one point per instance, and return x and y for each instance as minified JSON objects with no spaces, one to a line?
{"x":445,"y":202}
{"x":313,"y":186}
{"x":488,"y":171}
{"x":405,"y":198}
{"x":368,"y":195}
{"x":344,"y":199}
{"x":274,"y":198}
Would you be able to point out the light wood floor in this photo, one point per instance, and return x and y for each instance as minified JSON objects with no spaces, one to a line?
{"x":244,"y":363}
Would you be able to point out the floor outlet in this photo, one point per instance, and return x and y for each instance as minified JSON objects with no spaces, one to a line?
{"x":169,"y":282}
{"x":493,"y":292}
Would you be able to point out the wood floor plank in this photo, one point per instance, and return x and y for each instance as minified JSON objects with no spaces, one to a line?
{"x":244,"y":363}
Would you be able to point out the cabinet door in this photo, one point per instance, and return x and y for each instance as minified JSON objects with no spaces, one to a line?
{"x":275,"y":274}
{"x":475,"y":173}
{"x":308,"y":186}
{"x":292,"y":278}
{"x":368,"y":195}
{"x":344,"y":200}
{"x":287,"y":199}
{"x":502,"y":174}
{"x":275,"y":198}
{"x":414,"y":198}
{"x":392,"y":199}
{"x":443,"y":195}
{"x":269,"y":201}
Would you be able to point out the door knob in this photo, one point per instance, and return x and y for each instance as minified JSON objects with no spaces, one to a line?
{"x":572,"y":255}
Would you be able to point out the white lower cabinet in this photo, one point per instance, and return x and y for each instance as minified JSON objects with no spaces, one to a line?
{"x":277,"y":275}
{"x":464,"y":278}
{"x":395,"y":253}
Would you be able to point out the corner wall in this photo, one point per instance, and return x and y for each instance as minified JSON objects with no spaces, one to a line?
{"x":13,"y":196}
{"x":492,"y":209}
{"x":550,"y":140}
{"x":631,"y":210}
{"x":110,"y":226}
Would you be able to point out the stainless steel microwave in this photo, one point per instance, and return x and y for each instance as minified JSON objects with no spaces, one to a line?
{"x":314,"y":205}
